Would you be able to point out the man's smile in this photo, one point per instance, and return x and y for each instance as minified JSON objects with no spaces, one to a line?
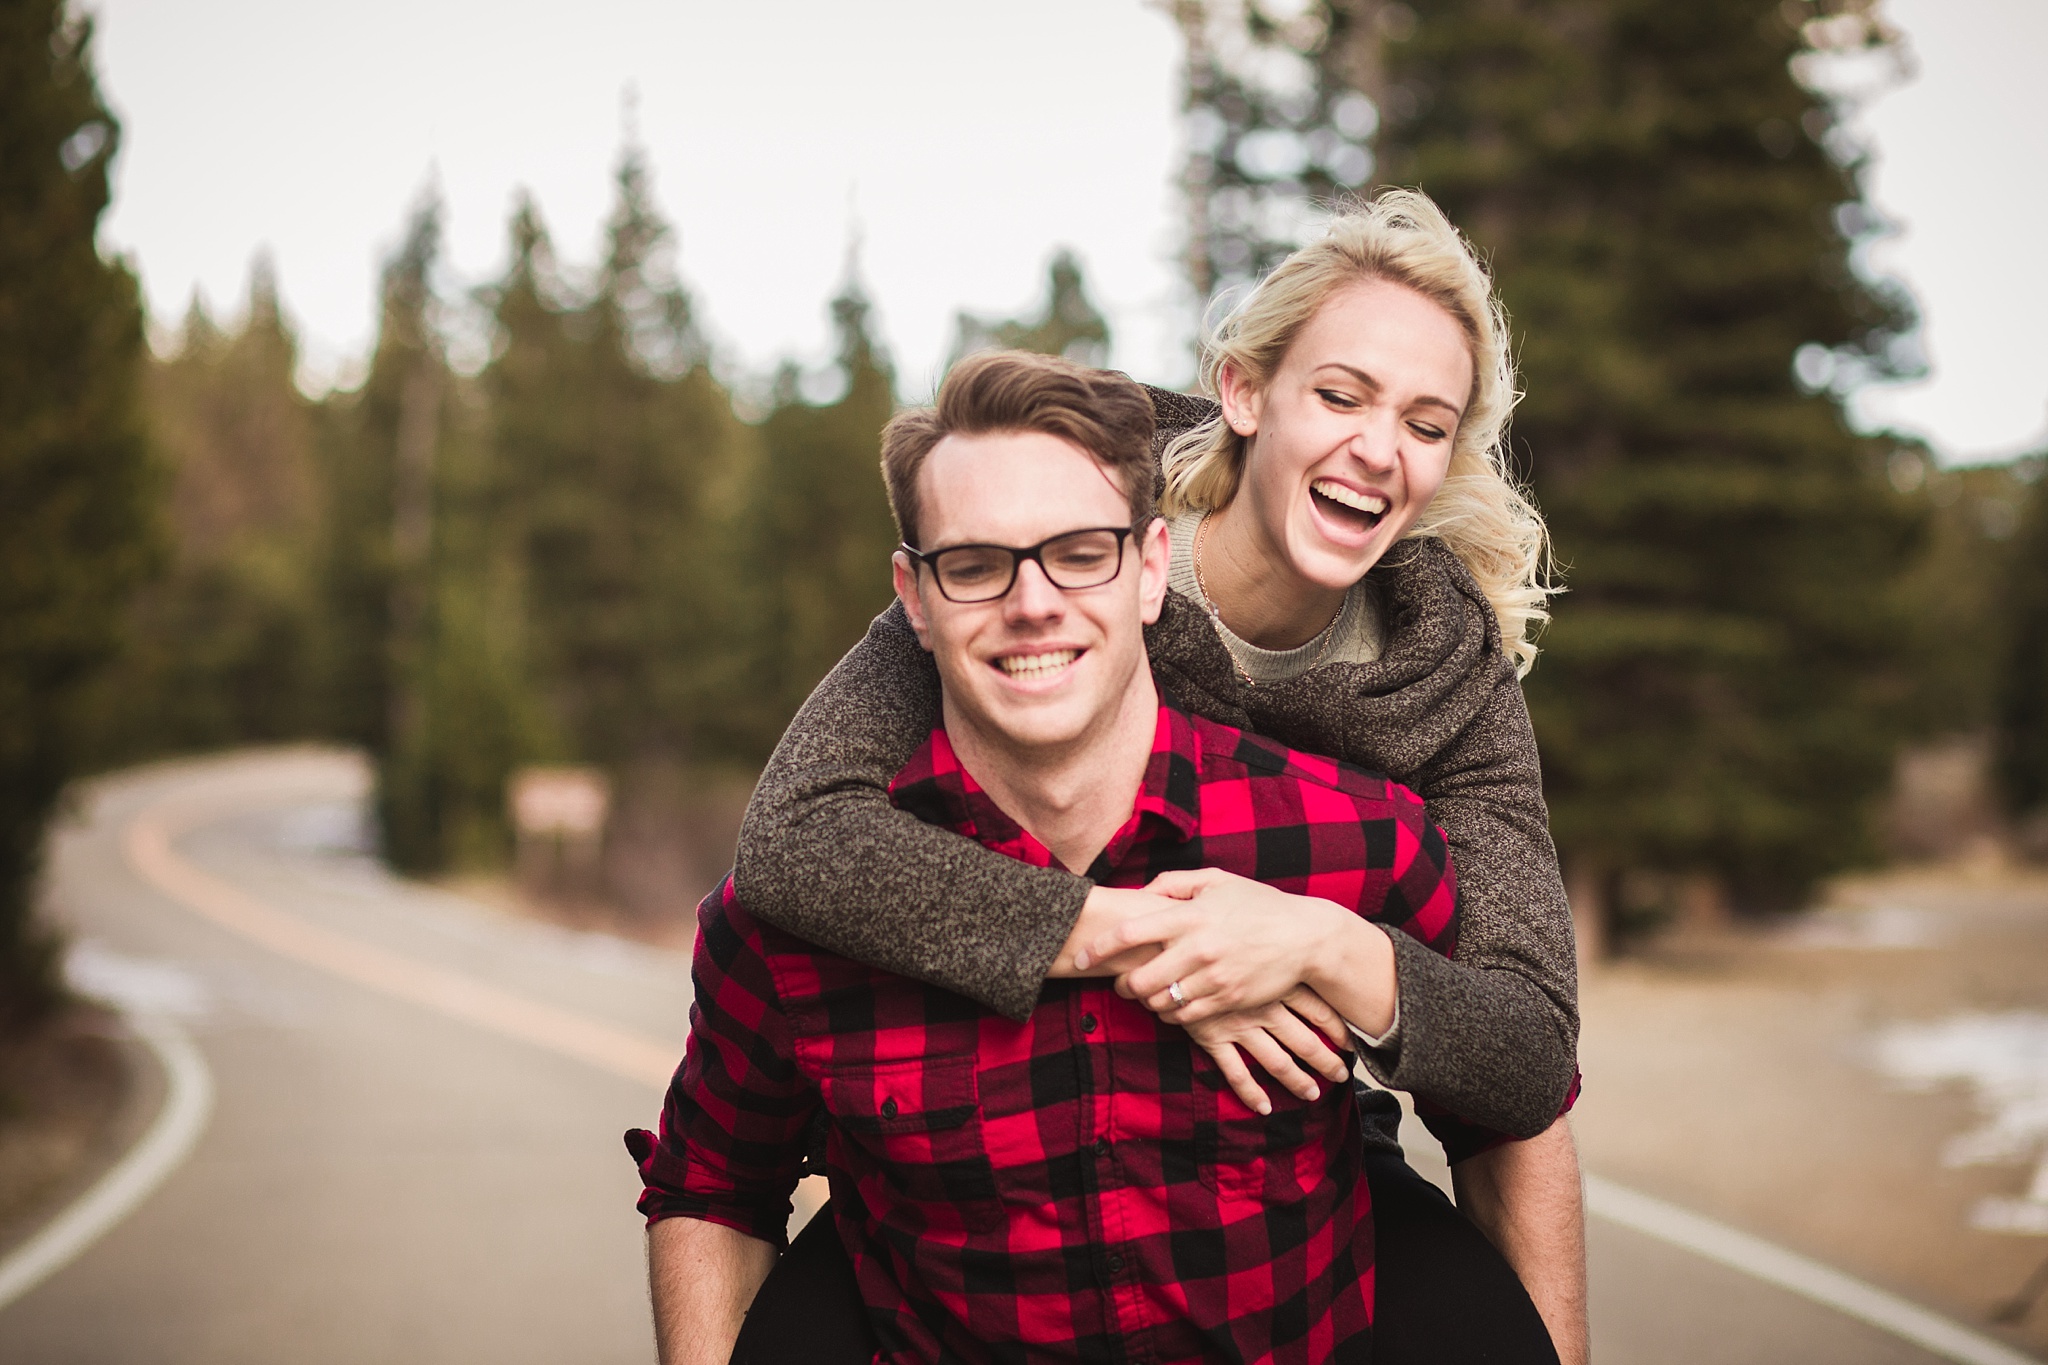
{"x":1039,"y":665}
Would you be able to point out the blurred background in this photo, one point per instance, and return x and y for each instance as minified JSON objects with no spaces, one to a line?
{"x":487,"y":396}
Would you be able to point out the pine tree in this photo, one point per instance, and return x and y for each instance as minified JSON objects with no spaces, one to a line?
{"x":1280,"y":114}
{"x":385,"y":454}
{"x":77,"y":492}
{"x":2023,"y":693}
{"x":822,"y":534}
{"x":427,"y":586}
{"x":442,"y":788}
{"x":536,"y":404}
{"x":1671,"y":216}
{"x":221,"y":651}
{"x":369,"y":577}
{"x":605,"y":523}
{"x":622,"y":465}
{"x":1958,"y":589}
{"x":1069,"y":324}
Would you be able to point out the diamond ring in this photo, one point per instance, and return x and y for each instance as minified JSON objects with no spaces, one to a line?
{"x":1173,"y":990}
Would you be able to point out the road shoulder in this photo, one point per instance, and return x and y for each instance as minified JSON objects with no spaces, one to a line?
{"x":1738,"y":1077}
{"x":79,"y":1092}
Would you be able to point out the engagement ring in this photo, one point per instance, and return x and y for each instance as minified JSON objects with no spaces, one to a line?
{"x":1173,"y":989}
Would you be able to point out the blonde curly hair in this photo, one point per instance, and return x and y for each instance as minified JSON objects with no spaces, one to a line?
{"x":1481,"y":512}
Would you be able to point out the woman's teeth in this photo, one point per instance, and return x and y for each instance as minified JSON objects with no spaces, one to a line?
{"x":1029,"y":667}
{"x":1369,"y":503}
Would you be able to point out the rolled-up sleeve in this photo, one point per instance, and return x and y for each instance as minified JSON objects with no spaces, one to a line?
{"x":1463,"y":1139}
{"x":738,"y":1111}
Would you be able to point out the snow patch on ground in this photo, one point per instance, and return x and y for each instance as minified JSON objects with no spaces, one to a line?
{"x":133,"y":983}
{"x":1879,"y":928}
{"x":2003,"y":1058}
{"x":331,"y":827}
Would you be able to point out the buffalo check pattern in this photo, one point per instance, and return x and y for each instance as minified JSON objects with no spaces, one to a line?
{"x":1082,"y":1186}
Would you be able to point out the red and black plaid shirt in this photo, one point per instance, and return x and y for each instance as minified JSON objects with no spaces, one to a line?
{"x":1082,"y":1186}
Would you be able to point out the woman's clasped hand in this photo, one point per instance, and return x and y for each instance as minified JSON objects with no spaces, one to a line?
{"x":1251,"y":966}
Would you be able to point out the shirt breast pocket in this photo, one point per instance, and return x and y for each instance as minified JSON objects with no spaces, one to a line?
{"x":919,"y":1157}
{"x":1245,"y":1156}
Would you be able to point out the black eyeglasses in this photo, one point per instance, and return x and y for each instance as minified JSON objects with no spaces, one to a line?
{"x":982,"y":573}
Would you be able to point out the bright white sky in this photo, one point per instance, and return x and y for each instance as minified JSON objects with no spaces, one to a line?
{"x":1962,"y":166}
{"x":970,"y":138}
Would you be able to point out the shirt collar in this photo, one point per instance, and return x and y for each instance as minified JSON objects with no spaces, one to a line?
{"x":937,"y":788}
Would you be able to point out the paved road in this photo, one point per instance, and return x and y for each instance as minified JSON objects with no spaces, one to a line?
{"x":414,"y":1153}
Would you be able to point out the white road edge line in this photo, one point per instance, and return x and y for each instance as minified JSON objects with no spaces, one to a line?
{"x":1800,"y":1275}
{"x":188,"y":1104}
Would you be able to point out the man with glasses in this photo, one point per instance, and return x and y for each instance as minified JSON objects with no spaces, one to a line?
{"x":1082,"y":1185}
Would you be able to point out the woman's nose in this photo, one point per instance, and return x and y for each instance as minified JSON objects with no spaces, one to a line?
{"x":1377,"y":443}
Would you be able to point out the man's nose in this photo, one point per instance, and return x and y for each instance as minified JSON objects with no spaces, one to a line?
{"x":1033,"y":597}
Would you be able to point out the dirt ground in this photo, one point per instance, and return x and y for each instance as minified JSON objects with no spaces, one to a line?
{"x":1737,"y":1073}
{"x":70,"y":1103}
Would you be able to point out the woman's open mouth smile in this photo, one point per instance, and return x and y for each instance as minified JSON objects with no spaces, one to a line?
{"x":1346,"y":509}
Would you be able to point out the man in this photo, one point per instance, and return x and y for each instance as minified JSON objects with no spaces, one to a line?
{"x":1083,"y":1185}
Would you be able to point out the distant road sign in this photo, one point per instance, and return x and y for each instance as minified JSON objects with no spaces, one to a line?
{"x":573,"y":802}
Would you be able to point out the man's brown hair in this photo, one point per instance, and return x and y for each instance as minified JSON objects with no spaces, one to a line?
{"x":1107,"y":414}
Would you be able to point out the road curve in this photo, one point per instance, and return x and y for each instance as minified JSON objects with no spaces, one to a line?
{"x":422,"y":1165}
{"x":414,"y":1153}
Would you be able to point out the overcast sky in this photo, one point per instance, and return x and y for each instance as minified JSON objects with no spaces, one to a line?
{"x":965,"y":140}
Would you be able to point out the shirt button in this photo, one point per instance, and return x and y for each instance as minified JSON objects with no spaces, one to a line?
{"x":889,"y":1108}
{"x":1116,"y":1264}
{"x":1102,"y":1147}
{"x":1087,"y":1023}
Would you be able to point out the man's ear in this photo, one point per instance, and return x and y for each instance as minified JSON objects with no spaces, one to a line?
{"x":904,"y":570}
{"x":1241,"y":402}
{"x":1155,"y":553}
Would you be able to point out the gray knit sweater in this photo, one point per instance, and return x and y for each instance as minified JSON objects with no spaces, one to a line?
{"x":1491,"y":1034}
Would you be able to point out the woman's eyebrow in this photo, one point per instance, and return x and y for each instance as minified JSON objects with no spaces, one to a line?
{"x":1426,"y":400}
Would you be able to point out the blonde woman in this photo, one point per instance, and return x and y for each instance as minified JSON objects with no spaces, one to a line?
{"x":1354,"y":573}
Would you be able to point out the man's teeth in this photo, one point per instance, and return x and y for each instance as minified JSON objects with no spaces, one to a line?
{"x":1037,"y":665}
{"x":1351,"y":497}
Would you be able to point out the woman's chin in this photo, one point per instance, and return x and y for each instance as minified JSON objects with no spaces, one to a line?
{"x":1333,"y":563}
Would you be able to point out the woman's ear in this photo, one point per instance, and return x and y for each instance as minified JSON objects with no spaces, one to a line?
{"x":1241,"y":401}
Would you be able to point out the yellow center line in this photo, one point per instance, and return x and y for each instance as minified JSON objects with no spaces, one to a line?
{"x":622,"y":1052}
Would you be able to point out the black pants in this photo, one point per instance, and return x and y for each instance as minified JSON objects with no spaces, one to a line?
{"x":1444,"y":1295}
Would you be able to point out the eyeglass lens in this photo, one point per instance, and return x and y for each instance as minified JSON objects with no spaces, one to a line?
{"x":982,"y":573}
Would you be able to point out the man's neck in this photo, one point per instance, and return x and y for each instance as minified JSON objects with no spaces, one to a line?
{"x":1072,"y":797}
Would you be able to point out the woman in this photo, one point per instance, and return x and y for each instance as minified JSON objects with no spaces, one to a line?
{"x":1353,"y":574}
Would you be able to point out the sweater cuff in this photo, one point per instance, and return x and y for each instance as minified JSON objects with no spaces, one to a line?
{"x":1385,"y":1040}
{"x":1020,"y":951}
{"x":1463,"y":1029}
{"x":1382,"y":1055}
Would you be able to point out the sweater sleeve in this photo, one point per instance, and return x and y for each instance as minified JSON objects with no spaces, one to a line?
{"x":825,"y":855}
{"x":1491,"y":1033}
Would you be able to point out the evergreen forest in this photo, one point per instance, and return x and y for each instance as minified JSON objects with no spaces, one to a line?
{"x":605,"y":547}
